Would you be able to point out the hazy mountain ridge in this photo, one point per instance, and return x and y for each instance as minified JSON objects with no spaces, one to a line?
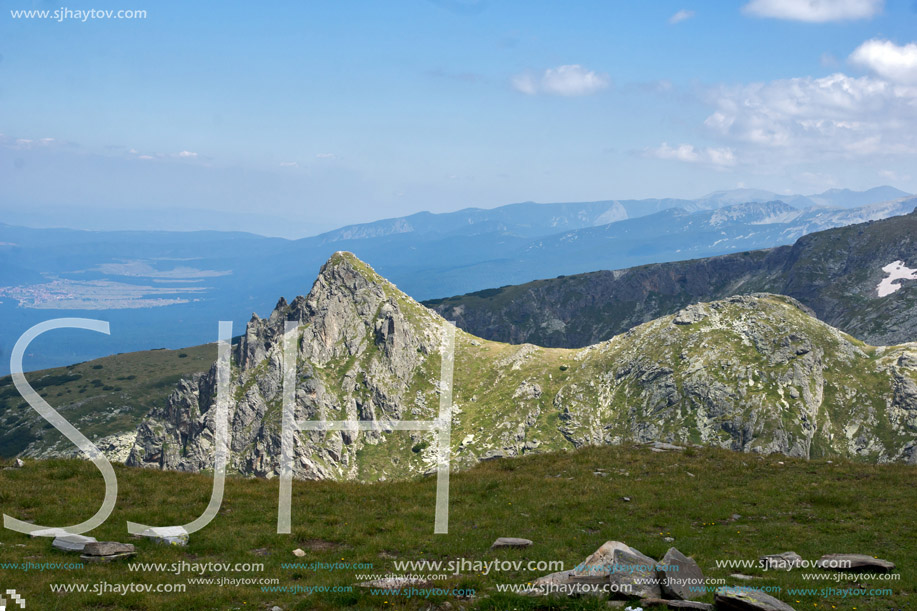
{"x":161,"y":289}
{"x":754,"y":373}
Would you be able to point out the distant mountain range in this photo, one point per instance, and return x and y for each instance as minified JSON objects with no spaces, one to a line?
{"x":168,"y":289}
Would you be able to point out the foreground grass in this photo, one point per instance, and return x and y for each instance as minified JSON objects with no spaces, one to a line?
{"x":559,"y":501}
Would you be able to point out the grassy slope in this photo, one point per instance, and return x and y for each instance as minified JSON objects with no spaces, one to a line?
{"x":812,"y":507}
{"x":86,"y":393}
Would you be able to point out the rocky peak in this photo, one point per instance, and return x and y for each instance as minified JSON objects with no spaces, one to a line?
{"x":755,"y":373}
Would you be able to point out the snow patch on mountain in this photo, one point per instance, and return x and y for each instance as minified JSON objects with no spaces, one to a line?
{"x":896,"y":271}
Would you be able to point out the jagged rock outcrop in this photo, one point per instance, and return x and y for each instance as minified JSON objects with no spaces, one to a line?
{"x":754,"y":373}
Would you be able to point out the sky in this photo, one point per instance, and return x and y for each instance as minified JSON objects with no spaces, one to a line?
{"x":294,"y":118}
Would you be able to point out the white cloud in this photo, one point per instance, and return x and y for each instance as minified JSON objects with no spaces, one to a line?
{"x":815,"y":11}
{"x":186,"y":155}
{"x":289,"y":164}
{"x":571,"y":80}
{"x":680,"y":16}
{"x":326,"y":156}
{"x":688,"y":153}
{"x":888,"y":60}
{"x":808,"y":118}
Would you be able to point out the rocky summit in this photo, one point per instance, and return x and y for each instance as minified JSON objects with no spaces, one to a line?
{"x":753,"y":373}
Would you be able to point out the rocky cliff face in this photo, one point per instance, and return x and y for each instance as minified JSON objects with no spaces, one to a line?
{"x":835,"y":272}
{"x":755,"y":373}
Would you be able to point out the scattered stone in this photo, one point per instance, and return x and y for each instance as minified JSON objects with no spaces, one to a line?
{"x":510,"y":543}
{"x":261,"y":551}
{"x":395,"y":583}
{"x":675,"y":604}
{"x":782,"y":562}
{"x":387,"y":556}
{"x":665,"y":447}
{"x":106,"y":551}
{"x":107,"y":548}
{"x":276,"y":608}
{"x":298,"y":553}
{"x":692,"y":314}
{"x":18,"y":463}
{"x":730,"y":599}
{"x":167,"y":535}
{"x":734,"y":517}
{"x":492,"y":454}
{"x":742,"y":576}
{"x":72,"y":543}
{"x":607,"y":565}
{"x":680,"y":577}
{"x":626,"y":499}
{"x":668,"y":539}
{"x":854,"y":562}
{"x":689,"y":473}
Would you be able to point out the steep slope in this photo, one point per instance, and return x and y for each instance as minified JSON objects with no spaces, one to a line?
{"x":835,"y":272}
{"x":754,"y":373}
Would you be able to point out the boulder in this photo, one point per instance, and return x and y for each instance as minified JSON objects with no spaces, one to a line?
{"x":855,"y":562}
{"x":745,"y":599}
{"x":299,"y":553}
{"x":679,"y":576}
{"x":510,"y":543}
{"x":628,"y":571}
{"x":72,"y":543}
{"x":18,"y":463}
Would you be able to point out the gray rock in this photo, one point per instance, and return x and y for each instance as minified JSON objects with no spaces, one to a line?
{"x":299,"y":553}
{"x":665,"y":447}
{"x":786,"y":561}
{"x":620,"y":565}
{"x":71,"y":543}
{"x":681,"y":576}
{"x":692,"y":314}
{"x":510,"y":543}
{"x":18,"y":463}
{"x":730,"y":599}
{"x":855,"y":562}
{"x":107,"y":548}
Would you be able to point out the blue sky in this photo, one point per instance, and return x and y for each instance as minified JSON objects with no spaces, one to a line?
{"x":318,"y":114}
